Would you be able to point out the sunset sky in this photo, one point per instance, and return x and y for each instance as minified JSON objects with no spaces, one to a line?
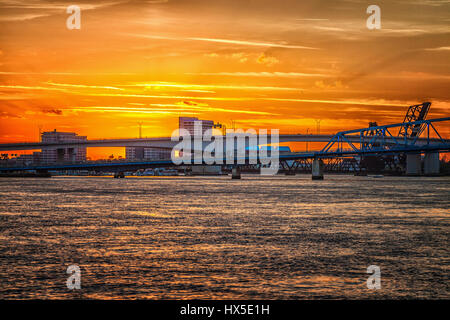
{"x":262,"y":63}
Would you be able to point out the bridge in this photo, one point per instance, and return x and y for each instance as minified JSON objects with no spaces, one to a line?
{"x":375,"y":140}
{"x":166,"y":142}
{"x":160,"y":143}
{"x":382,"y":140}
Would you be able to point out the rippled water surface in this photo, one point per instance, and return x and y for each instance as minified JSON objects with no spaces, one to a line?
{"x":213,"y":237}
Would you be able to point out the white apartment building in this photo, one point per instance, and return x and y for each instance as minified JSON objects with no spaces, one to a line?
{"x":52,"y":155}
{"x":189,"y":124}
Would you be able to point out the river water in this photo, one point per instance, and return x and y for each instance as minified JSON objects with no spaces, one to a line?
{"x":282,"y":237}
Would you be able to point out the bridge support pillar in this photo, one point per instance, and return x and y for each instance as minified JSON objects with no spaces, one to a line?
{"x":119,"y":175}
{"x":317,"y":169}
{"x":413,"y":164}
{"x":431,"y":164}
{"x":236,"y":173}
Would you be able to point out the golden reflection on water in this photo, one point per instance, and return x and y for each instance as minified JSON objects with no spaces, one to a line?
{"x":213,"y":238}
{"x":150,"y":214}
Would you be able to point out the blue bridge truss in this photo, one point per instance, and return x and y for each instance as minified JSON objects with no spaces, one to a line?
{"x":381,"y":140}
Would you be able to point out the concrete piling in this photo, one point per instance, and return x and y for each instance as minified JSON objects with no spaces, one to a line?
{"x":236,"y":173}
{"x":317,"y":169}
{"x":413,"y":164}
{"x":431,"y":164}
{"x":119,"y":175}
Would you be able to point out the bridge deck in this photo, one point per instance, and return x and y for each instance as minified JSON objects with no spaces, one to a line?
{"x":161,"y":143}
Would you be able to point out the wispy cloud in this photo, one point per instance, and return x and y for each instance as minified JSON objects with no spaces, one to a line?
{"x":185,"y":107}
{"x":187,"y":86}
{"x":52,"y":5}
{"x":438,"y":49}
{"x":253,"y":43}
{"x":23,"y":17}
{"x":124,"y":95}
{"x":31,"y":88}
{"x":312,"y":19}
{"x":12,"y":73}
{"x":415,"y":76}
{"x":57,"y":112}
{"x":267,"y":60}
{"x":136,"y":112}
{"x":227,"y":41}
{"x":82,"y":86}
{"x":46,"y":8}
{"x":432,"y":3}
{"x":191,"y":105}
{"x":329,"y":28}
{"x":260,"y":74}
{"x":362,"y":102}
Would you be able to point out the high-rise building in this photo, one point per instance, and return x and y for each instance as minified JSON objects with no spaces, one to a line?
{"x":71,"y":154}
{"x":24,"y":159}
{"x":149,"y":153}
{"x":146,"y":153}
{"x":134,"y":153}
{"x":189,"y":125}
{"x":156,"y":154}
